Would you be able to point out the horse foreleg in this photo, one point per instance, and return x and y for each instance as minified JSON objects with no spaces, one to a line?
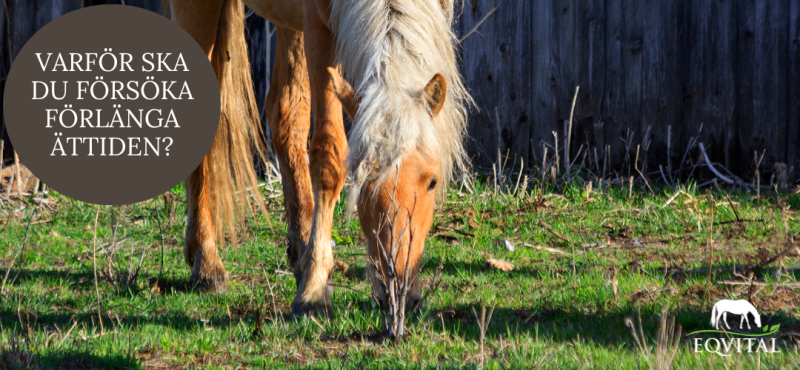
{"x":328,"y":153}
{"x":208,"y":273}
{"x":289,"y":118}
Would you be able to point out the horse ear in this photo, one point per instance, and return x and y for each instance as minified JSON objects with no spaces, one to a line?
{"x":435,"y":93}
{"x":347,"y":96}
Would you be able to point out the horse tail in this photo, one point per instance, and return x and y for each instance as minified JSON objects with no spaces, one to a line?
{"x":230,"y":161}
{"x":714,"y":317}
{"x":230,"y":167}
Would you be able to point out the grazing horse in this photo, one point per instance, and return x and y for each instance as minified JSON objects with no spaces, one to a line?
{"x":408,"y":107}
{"x":739,"y":307}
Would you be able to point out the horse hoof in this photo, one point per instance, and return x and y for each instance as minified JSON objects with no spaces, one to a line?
{"x":316,"y":309}
{"x":414,"y":304}
{"x":217,"y":283}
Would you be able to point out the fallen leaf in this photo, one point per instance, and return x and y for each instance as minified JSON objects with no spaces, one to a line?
{"x":500,"y":264}
{"x":341,"y":266}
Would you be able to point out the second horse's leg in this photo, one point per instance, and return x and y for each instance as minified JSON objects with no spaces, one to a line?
{"x":328,"y":171}
{"x":208,"y":273}
{"x":201,"y":21}
{"x":289,"y":112}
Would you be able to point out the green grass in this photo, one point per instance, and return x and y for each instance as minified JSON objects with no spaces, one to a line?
{"x":554,"y":311}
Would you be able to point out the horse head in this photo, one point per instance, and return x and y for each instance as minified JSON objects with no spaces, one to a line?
{"x":396,"y":206}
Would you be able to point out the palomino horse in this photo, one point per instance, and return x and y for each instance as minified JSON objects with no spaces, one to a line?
{"x":408,"y":112}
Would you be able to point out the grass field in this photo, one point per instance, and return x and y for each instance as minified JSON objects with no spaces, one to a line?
{"x":585,"y":260}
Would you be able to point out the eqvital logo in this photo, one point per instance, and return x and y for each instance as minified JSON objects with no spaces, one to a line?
{"x":751,"y":337}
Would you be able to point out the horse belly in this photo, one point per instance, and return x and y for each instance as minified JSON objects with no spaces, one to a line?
{"x":284,"y":13}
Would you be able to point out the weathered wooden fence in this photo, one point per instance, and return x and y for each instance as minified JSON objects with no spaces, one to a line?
{"x":651,"y":74}
{"x":655,"y":70}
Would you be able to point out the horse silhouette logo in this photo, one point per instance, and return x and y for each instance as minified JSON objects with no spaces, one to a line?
{"x":739,"y":307}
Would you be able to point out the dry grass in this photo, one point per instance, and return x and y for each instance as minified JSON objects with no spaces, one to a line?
{"x":666,"y":340}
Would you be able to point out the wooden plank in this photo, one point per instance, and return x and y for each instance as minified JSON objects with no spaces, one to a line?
{"x":632,"y":39}
{"x":480,"y":133}
{"x":22,"y":22}
{"x":660,"y":87}
{"x":613,"y":107}
{"x":593,"y":84}
{"x":5,"y":59}
{"x":692,"y":61}
{"x":25,"y":18}
{"x":742,"y":127}
{"x":516,"y":59}
{"x":496,"y":64}
{"x":566,"y":66}
{"x":711,"y":74}
{"x":151,"y":5}
{"x":587,"y":111}
{"x":793,"y":95}
{"x":5,"y":64}
{"x":769,"y":103}
{"x":544,"y":79}
{"x":719,"y":86}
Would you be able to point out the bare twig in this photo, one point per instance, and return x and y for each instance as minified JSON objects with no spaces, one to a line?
{"x":483,"y":325}
{"x":636,"y":167}
{"x":9,"y":185}
{"x":94,"y":263}
{"x":485,"y":17}
{"x":555,"y":233}
{"x":161,"y":239}
{"x":758,"y":174}
{"x":733,"y":181}
{"x":437,"y":280}
{"x":692,"y":143}
{"x":569,"y":133}
{"x":661,"y":169}
{"x":20,"y":182}
{"x":735,"y":212}
{"x":772,"y":259}
{"x":748,"y":283}
{"x":2,"y":142}
{"x":396,"y":286}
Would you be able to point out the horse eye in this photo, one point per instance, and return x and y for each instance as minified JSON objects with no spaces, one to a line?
{"x":433,"y":184}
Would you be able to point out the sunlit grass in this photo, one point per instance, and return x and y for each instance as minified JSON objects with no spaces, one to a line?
{"x":554,"y":310}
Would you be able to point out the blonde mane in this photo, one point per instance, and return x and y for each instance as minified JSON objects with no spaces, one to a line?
{"x":389,"y":50}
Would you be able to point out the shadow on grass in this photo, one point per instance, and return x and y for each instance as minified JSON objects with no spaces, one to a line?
{"x":78,"y":277}
{"x":74,"y":359}
{"x":20,"y":357}
{"x":605,"y":329}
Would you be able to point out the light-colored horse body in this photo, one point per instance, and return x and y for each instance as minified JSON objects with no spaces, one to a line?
{"x":409,"y":120}
{"x":739,"y":307}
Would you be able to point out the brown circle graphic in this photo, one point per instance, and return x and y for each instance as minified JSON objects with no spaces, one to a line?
{"x":111,"y":104}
